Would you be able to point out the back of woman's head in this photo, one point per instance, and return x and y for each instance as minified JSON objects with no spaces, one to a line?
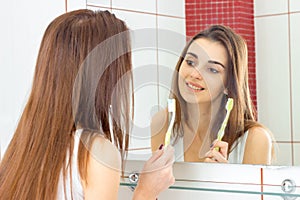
{"x":68,"y":45}
{"x":102,"y":89}
{"x":43,"y":135}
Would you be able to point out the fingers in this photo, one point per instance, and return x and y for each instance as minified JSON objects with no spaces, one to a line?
{"x":168,"y":156}
{"x":220,"y":155}
{"x":160,"y":159}
{"x":215,"y":156}
{"x":157,"y":154}
{"x":223,"y":147}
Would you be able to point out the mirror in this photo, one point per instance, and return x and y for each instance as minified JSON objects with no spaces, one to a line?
{"x":275,"y":63}
{"x":277,"y":74}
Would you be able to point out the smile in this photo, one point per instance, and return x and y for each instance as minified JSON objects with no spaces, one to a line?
{"x":195,"y":87}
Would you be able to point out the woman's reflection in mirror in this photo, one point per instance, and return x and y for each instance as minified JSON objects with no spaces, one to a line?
{"x":212,"y":68}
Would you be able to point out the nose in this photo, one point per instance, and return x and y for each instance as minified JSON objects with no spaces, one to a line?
{"x":195,"y":73}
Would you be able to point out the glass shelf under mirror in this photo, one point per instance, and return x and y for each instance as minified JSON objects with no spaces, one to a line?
{"x":188,"y":186}
{"x":232,"y":181}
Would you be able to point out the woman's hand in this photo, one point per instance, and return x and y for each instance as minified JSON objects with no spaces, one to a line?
{"x":157,"y":175}
{"x":220,"y":155}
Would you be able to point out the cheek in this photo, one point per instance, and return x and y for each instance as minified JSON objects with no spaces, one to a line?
{"x":182,"y":71}
{"x":215,"y":84}
{"x":180,"y":82}
{"x":181,"y":74}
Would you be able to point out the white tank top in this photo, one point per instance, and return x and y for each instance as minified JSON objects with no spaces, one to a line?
{"x":77,"y":189}
{"x":236,"y":156}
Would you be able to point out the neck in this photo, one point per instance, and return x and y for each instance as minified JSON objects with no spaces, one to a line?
{"x":198,"y":127}
{"x":201,"y":117}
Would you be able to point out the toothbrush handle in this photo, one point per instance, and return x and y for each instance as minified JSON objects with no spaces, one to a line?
{"x":217,"y":148}
{"x":219,"y":138}
{"x":167,"y":138}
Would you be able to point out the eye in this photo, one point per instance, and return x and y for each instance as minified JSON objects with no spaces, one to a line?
{"x":190,"y":63}
{"x":213,"y":70}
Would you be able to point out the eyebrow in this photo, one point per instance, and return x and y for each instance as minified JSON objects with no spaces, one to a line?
{"x":210,"y":61}
{"x":192,"y":54}
{"x":216,"y":62}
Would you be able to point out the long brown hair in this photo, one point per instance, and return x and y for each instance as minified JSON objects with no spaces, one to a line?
{"x":37,"y":153}
{"x":243,"y":114}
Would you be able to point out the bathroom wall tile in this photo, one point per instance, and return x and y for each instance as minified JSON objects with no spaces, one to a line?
{"x":139,"y":153}
{"x":296,"y":154}
{"x":144,"y":61}
{"x":272,"y":73}
{"x":136,"y":5}
{"x":266,"y":7}
{"x":295,"y":73}
{"x":173,"y":24}
{"x":294,"y":5}
{"x":143,"y":58}
{"x":283,"y":154}
{"x":144,"y":53}
{"x":23,"y":25}
{"x":136,"y":20}
{"x":76,"y":4}
{"x":273,"y":178}
{"x":171,"y":41}
{"x":103,"y":3}
{"x":145,"y":94}
{"x":145,"y":97}
{"x":167,"y":62}
{"x":171,"y":7}
{"x":91,"y":7}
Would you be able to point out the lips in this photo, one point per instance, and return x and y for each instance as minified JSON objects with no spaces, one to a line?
{"x":194,"y":86}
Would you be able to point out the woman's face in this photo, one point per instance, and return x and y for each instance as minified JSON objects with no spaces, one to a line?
{"x":203,"y":72}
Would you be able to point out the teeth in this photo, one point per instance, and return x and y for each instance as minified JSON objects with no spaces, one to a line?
{"x":194,"y":87}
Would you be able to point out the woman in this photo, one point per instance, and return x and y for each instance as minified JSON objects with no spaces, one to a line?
{"x":72,"y":136}
{"x":213,"y":68}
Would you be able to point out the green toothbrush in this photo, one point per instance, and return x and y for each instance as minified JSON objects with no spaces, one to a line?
{"x":228,"y":107}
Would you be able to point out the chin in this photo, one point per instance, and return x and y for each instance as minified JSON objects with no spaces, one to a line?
{"x":190,"y":98}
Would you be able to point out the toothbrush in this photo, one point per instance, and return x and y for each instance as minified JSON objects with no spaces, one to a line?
{"x":172,"y":110}
{"x":228,"y":107}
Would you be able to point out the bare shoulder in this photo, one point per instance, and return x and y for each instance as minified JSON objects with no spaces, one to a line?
{"x":103,"y":151}
{"x":103,"y":170}
{"x":258,"y":148}
{"x":159,"y":123}
{"x":159,"y":120}
{"x":259,"y":134}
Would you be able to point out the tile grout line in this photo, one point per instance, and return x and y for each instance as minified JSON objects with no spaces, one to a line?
{"x":290,"y":84}
{"x":136,"y":11}
{"x":157,"y":60}
{"x":66,"y":5}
